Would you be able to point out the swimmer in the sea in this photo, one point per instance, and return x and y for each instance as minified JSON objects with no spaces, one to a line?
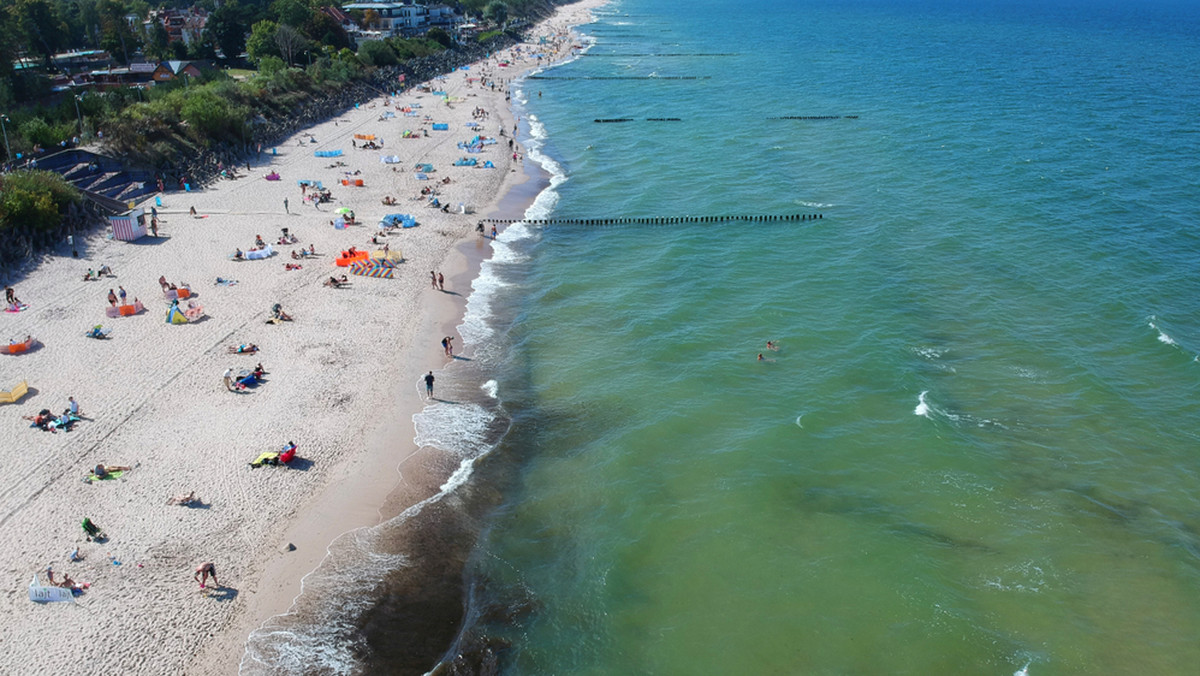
{"x":772,"y":345}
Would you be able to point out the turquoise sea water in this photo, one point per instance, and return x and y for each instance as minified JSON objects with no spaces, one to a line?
{"x":977,"y":446}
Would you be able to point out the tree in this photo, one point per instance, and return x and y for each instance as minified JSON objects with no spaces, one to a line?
{"x":39,"y":27}
{"x":227,"y":29}
{"x":496,"y":12}
{"x":369,"y":19}
{"x":291,"y":12}
{"x":158,"y":43}
{"x":116,"y":35}
{"x":322,"y":28}
{"x":262,"y":40}
{"x":440,"y":36}
{"x":376,"y":53}
{"x":290,"y":41}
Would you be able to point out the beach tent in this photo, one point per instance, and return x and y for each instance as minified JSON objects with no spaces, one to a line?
{"x":392,"y":220}
{"x":424,"y":167}
{"x":42,"y":594}
{"x":176,"y":316}
{"x":265,"y":252}
{"x":130,"y":226}
{"x":327,"y":153}
{"x":390,"y":159}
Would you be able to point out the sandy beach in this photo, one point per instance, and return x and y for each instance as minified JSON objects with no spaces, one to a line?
{"x":343,"y":380}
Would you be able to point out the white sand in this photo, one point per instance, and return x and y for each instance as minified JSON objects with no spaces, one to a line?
{"x":343,"y":382}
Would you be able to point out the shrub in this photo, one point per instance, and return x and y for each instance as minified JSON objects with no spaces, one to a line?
{"x":35,"y":199}
{"x":375,"y":53}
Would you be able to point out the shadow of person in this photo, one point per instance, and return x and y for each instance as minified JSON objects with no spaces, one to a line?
{"x":222,"y":593}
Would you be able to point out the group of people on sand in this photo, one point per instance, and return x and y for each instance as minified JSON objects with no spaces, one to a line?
{"x":92,"y":276}
{"x":304,"y":253}
{"x":337,"y":282}
{"x":48,"y":422}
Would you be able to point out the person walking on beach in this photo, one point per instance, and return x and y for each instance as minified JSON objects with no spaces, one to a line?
{"x":429,"y":384}
{"x":285,"y":206}
{"x":446,"y":345}
{"x":433,"y":278}
{"x":122,"y":294}
{"x":112,"y":298}
{"x":494,"y":232}
{"x":441,"y":282}
{"x":203,"y":572}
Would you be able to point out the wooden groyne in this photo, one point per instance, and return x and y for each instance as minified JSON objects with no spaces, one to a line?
{"x":648,"y":220}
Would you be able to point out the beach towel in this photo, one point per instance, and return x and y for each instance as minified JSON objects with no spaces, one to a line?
{"x":225,"y":282}
{"x":269,"y":458}
{"x":422,"y":177}
{"x":108,"y":475}
{"x":440,"y":126}
{"x":16,"y":307}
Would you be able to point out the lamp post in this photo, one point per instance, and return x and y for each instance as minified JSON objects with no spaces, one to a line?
{"x":78,"y":115}
{"x":7,"y":148}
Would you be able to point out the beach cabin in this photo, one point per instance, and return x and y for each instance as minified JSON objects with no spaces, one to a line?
{"x":130,"y":226}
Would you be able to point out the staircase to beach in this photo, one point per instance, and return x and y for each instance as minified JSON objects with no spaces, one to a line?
{"x":104,"y":180}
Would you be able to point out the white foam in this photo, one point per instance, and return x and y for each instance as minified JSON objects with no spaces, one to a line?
{"x":491,"y":388}
{"x":798,"y":421}
{"x":815,"y":205}
{"x":1162,"y":335}
{"x":922,"y":408}
{"x":459,"y":477}
{"x":458,"y":428}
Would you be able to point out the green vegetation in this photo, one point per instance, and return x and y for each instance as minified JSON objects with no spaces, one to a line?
{"x":33,"y":201}
{"x":299,"y":51}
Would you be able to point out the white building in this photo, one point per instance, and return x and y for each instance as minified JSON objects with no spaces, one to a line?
{"x":394,"y":18}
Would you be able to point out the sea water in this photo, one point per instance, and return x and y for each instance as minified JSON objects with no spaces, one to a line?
{"x":975,"y":448}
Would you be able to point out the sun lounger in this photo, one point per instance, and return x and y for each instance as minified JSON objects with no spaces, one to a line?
{"x":19,"y":348}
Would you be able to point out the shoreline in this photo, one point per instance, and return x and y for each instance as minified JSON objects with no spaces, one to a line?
{"x":364,"y":501}
{"x":153,"y":400}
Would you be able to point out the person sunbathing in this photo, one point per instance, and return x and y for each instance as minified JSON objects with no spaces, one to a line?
{"x":105,"y":271}
{"x":238,"y":255}
{"x":278,"y":313}
{"x":65,"y":581}
{"x":258,"y":371}
{"x":337,"y":283}
{"x":162,"y":281}
{"x":388,"y":200}
{"x":44,"y":420}
{"x":292,"y":266}
{"x":312,"y":250}
{"x":90,"y":276}
{"x":183,"y":499}
{"x":295,"y":256}
{"x":243,"y":349}
{"x":102,"y":471}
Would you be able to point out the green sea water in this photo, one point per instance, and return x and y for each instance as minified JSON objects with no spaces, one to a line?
{"x":976,"y":446}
